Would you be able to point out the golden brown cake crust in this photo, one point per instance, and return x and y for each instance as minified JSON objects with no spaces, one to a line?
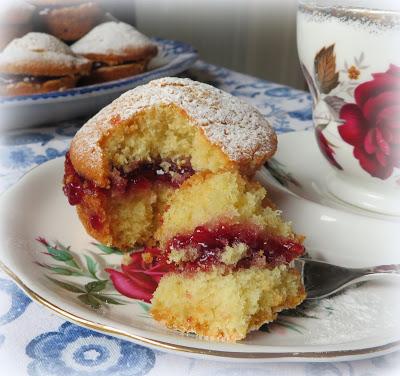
{"x":237,"y":128}
{"x":115,"y":72}
{"x":135,"y":55}
{"x":72,"y":22}
{"x":98,"y":205}
{"x":39,"y":54}
{"x":114,"y":43}
{"x":28,"y":88}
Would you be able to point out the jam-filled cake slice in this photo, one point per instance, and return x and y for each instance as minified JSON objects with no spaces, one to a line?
{"x":230,"y":254}
{"x":117,"y":50}
{"x":126,"y":162}
{"x":39,"y":63}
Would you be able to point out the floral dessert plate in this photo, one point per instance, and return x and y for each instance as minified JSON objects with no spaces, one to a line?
{"x":30,"y":110}
{"x":46,"y":251}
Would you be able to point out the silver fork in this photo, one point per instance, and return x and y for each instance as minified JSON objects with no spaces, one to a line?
{"x":322,"y":279}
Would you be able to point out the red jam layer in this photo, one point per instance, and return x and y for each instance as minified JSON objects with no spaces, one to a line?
{"x":210,"y":243}
{"x":147,"y":173}
{"x":76,"y":187}
{"x":8,"y":79}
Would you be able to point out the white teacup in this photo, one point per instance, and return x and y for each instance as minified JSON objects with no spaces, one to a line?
{"x":350,"y":56}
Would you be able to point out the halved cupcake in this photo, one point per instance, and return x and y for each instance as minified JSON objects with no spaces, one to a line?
{"x":230,"y":254}
{"x":117,"y":50}
{"x":39,"y":63}
{"x":125,"y":163}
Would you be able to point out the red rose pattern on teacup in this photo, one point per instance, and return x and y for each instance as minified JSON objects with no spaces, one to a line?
{"x":372,"y":123}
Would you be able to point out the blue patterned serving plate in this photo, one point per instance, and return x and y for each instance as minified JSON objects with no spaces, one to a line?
{"x":31,"y":110}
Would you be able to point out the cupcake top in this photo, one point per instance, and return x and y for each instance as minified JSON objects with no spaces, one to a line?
{"x":40,"y":54}
{"x":243,"y":134}
{"x":115,"y":43}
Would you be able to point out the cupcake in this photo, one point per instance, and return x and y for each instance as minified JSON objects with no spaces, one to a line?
{"x":169,"y":165}
{"x":39,"y":63}
{"x":117,"y":50}
{"x":15,"y":20}
{"x":125,"y":163}
{"x":68,"y":20}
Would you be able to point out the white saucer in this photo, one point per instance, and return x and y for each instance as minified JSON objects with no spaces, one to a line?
{"x":298,"y":167}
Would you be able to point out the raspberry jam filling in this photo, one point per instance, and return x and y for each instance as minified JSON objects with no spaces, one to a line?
{"x":162,"y":171}
{"x":8,"y":79}
{"x":208,"y":245}
{"x":100,"y":64}
{"x":76,"y":187}
{"x":141,"y":177}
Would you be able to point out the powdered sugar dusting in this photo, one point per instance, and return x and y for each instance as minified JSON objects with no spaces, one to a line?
{"x":38,"y":42}
{"x":111,"y":38}
{"x":238,"y":128}
{"x":356,"y":314}
{"x":39,"y":48}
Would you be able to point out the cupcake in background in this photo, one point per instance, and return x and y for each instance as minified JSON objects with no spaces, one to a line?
{"x":39,"y":63}
{"x":15,"y":20}
{"x":117,"y":50}
{"x":68,"y":20}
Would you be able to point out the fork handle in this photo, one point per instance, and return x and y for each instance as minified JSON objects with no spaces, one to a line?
{"x":384,"y":269}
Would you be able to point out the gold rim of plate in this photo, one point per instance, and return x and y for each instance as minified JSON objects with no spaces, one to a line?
{"x":186,"y":349}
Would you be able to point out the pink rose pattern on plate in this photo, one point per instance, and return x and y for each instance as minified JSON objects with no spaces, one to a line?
{"x":139,"y":279}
